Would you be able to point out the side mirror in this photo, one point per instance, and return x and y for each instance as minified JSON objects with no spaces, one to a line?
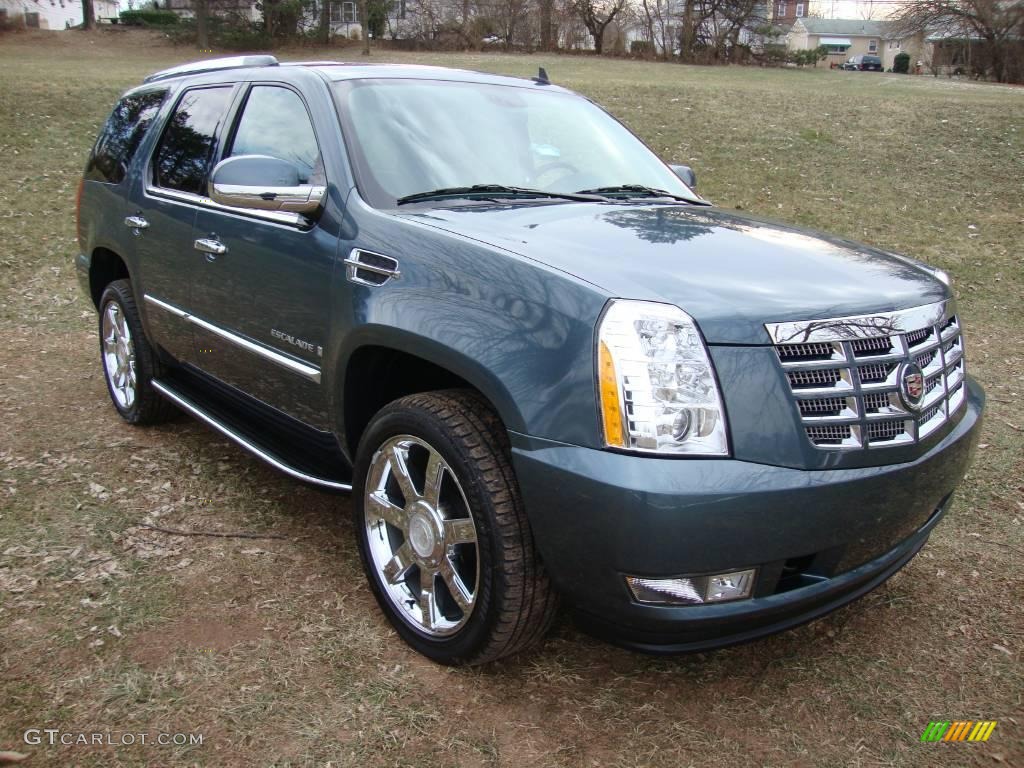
{"x":686,"y":175}
{"x":263,"y":183}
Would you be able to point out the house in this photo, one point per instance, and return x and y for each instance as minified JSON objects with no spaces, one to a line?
{"x":786,"y":12}
{"x":664,"y":29}
{"x":851,"y":37}
{"x":242,"y":9}
{"x":54,"y":14}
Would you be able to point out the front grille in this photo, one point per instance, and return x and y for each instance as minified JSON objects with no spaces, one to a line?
{"x":831,"y":434}
{"x":822,"y":406}
{"x":845,"y":375}
{"x":880,"y":345}
{"x":805,"y":351}
{"x":870,"y":374}
{"x":811,"y":379}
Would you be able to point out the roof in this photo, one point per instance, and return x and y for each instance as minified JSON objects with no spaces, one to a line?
{"x":359,"y":71}
{"x":845,"y":27}
{"x":238,"y":67}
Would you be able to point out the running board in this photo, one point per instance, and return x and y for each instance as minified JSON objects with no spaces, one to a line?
{"x":194,"y":409}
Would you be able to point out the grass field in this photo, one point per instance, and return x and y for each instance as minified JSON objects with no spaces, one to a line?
{"x":274,"y":649}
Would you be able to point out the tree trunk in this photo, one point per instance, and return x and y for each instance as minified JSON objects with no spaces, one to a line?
{"x":88,"y":15}
{"x":598,"y":35}
{"x":202,"y":30}
{"x":364,"y":12}
{"x":546,"y":11}
{"x":686,"y":41}
{"x":324,"y":33}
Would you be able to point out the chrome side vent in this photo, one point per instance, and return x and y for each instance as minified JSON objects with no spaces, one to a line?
{"x":368,"y":268}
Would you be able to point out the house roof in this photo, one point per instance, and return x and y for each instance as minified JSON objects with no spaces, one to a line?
{"x":845,"y":27}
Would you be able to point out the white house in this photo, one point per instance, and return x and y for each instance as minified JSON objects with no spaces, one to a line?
{"x":54,"y":14}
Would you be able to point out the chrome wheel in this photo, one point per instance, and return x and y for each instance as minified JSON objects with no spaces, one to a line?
{"x":119,"y":356}
{"x":421,"y":536}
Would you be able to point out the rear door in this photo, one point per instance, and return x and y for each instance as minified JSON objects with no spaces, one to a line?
{"x":164,"y":206}
{"x":263,"y":302}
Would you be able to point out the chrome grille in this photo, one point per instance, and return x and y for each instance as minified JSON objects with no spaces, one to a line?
{"x":844,"y":375}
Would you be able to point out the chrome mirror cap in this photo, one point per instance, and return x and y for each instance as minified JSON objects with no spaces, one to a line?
{"x":263,"y":183}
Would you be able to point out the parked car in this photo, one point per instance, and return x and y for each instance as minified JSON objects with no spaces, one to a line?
{"x":864,"y":63}
{"x":540,"y":362}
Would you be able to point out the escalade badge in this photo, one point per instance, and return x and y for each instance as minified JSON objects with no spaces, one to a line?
{"x":911,"y":386}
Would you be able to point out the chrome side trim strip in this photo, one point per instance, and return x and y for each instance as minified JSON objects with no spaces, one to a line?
{"x":277,"y":217}
{"x":165,"y":306}
{"x":194,"y":410}
{"x":861,"y":326}
{"x":308,"y":371}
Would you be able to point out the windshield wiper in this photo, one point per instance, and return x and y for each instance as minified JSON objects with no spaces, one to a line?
{"x":635,"y":190}
{"x":495,"y":190}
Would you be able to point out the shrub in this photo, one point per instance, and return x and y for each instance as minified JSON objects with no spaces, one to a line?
{"x":641,"y":48}
{"x":149,"y":17}
{"x":901,"y":63}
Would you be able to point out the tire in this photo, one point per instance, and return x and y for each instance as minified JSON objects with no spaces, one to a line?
{"x":468,"y":528}
{"x":129,"y":362}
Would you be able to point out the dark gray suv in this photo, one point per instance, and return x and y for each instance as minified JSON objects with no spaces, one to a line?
{"x":541,"y":363}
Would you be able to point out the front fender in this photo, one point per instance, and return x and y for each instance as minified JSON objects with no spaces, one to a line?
{"x":519,"y":332}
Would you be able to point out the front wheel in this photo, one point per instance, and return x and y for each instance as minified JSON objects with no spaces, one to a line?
{"x":442,"y":533}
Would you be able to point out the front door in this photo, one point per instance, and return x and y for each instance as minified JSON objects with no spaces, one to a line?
{"x":164,"y":206}
{"x":261,"y":292}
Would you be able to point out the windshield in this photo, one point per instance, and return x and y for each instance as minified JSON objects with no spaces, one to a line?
{"x":413,"y":136}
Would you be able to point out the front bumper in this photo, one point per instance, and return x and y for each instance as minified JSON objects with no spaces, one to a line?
{"x":819,"y":539}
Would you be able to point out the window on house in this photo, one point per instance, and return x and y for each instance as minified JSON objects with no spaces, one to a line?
{"x":895,"y":44}
{"x":396,"y":9}
{"x":780,"y":11}
{"x":190,"y":140}
{"x":799,"y":10}
{"x":872,"y":46}
{"x":348,"y":13}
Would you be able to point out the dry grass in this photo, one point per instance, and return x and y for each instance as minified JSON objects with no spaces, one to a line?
{"x":274,"y":650}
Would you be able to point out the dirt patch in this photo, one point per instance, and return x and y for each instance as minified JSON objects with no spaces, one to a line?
{"x":191,"y":635}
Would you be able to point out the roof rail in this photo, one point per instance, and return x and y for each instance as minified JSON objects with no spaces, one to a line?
{"x":212,"y":65}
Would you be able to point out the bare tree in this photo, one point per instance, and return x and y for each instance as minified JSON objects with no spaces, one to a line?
{"x":998,"y":24}
{"x":596,"y":15}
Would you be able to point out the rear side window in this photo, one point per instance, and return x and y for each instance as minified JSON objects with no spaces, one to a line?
{"x":190,"y":139}
{"x":121,"y":136}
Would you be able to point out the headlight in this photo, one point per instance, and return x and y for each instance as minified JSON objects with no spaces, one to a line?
{"x":657,"y":388}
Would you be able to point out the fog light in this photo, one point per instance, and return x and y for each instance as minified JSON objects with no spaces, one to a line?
{"x":693,"y":590}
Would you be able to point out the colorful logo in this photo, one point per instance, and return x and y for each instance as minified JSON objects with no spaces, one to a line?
{"x":959,"y":730}
{"x":911,"y":385}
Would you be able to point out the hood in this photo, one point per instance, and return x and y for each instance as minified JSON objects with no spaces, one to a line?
{"x":732,"y":273}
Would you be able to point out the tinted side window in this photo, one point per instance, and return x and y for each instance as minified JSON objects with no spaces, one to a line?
{"x":190,"y":140}
{"x":275,"y":122}
{"x":121,"y":136}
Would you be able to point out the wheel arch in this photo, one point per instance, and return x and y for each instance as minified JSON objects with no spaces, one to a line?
{"x":375,"y":374}
{"x":105,"y":266}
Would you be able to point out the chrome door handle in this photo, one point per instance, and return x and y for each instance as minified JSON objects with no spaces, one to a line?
{"x":136,"y":223}
{"x":210,"y":246}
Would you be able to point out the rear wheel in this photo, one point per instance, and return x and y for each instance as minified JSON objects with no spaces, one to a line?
{"x":442,"y":532}
{"x":129,"y":362}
